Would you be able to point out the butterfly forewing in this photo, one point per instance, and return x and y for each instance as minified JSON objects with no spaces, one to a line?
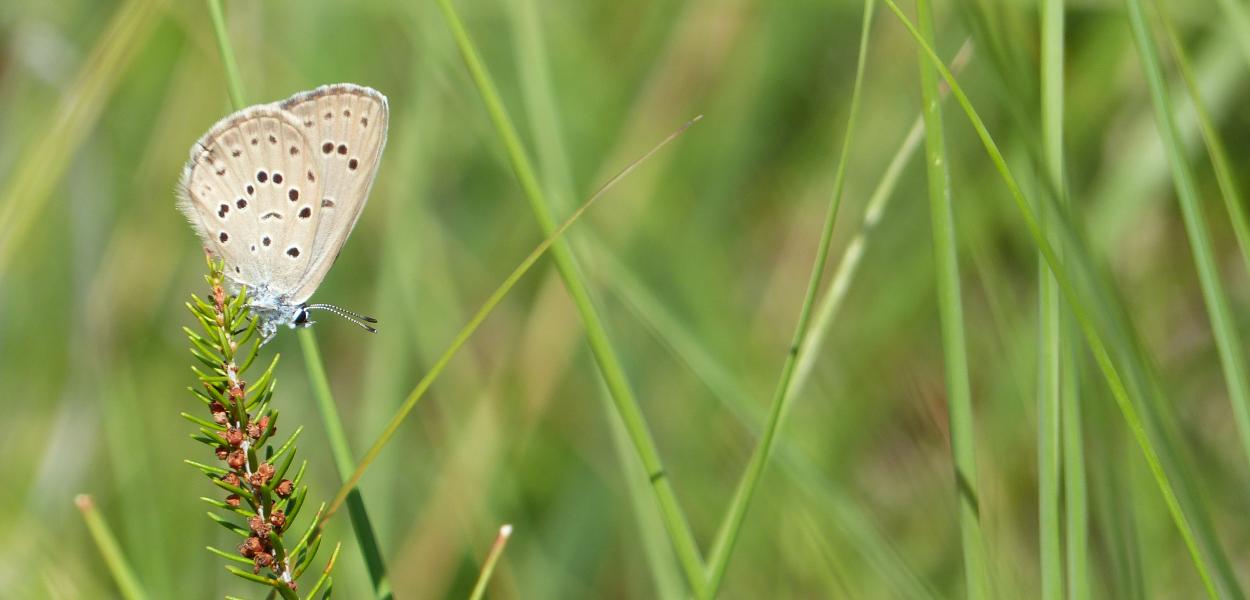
{"x":253,"y":196}
{"x":345,"y":125}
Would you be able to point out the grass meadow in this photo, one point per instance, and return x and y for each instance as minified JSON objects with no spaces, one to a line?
{"x":938,"y":299}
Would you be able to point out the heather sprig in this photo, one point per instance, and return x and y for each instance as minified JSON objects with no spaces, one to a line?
{"x":262,"y":497}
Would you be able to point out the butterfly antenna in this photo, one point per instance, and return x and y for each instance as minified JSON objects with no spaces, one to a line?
{"x":360,"y":320}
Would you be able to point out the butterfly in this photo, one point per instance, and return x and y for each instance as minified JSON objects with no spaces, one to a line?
{"x":274,"y":191}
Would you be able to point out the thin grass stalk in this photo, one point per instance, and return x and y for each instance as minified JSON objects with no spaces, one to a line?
{"x":1060,"y":445}
{"x":370,"y":549}
{"x":1050,"y":323}
{"x":1081,"y":307}
{"x":542,"y":111}
{"x":1075,"y":484}
{"x":492,"y":558}
{"x":109,"y":549}
{"x":340,"y":450}
{"x":234,"y":83}
{"x":950,"y":308}
{"x":735,"y":515}
{"x":596,"y":334}
{"x":1233,"y":201}
{"x":1223,"y":324}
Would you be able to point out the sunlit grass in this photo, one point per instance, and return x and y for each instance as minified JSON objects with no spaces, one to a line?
{"x":1106,"y":403}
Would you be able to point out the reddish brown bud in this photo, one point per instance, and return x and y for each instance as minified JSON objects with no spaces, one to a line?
{"x":284,"y":488}
{"x":277,"y":519}
{"x":254,"y":430}
{"x":219,"y":413}
{"x":221,"y":453}
{"x":231,"y":479}
{"x":236,"y":391}
{"x":234,"y":500}
{"x":234,"y":437}
{"x":262,"y":560}
{"x":264,"y":422}
{"x":259,"y":526}
{"x":251,"y":547}
{"x":263,"y":474}
{"x":237,"y":459}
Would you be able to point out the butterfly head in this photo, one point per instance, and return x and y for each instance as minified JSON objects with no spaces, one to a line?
{"x":272,"y":311}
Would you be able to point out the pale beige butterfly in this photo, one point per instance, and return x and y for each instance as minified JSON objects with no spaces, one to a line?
{"x":275,"y":189}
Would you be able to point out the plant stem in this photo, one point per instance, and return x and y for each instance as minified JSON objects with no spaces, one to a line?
{"x":727,"y":535}
{"x":344,"y":464}
{"x":488,"y":568}
{"x":234,"y":83}
{"x":950,"y":307}
{"x":1050,"y":323}
{"x":107,"y":545}
{"x":596,"y":334}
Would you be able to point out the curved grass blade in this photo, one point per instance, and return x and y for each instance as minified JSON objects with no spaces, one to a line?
{"x":727,"y":535}
{"x":127,"y":583}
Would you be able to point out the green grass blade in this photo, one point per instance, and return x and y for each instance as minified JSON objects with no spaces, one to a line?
{"x":1050,"y":345}
{"x":950,"y":308}
{"x":127,"y":583}
{"x":370,"y":548}
{"x":1081,"y":308}
{"x":234,"y":83}
{"x":727,"y":535}
{"x":1233,"y":201}
{"x":1075,"y":484}
{"x":597,"y":337}
{"x":488,"y":568}
{"x":1223,"y":325}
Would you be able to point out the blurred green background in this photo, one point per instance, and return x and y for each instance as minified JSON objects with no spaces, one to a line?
{"x":698,"y":262}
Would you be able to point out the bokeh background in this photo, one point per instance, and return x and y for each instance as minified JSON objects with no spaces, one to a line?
{"x":698,"y":262}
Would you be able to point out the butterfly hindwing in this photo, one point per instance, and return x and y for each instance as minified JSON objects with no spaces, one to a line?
{"x":253,"y":194}
{"x":345,"y":125}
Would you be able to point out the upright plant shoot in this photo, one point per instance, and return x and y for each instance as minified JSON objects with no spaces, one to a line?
{"x":259,"y":497}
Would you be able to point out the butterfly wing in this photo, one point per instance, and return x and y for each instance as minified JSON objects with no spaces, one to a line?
{"x":346,"y":127}
{"x":253,"y":195}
